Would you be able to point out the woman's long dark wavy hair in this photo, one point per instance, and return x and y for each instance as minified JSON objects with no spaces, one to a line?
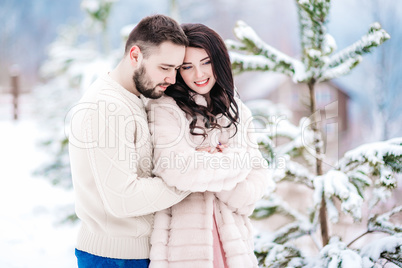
{"x":222,"y":93}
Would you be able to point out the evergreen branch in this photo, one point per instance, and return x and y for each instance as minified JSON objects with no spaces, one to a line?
{"x":234,"y":45}
{"x":317,"y":9}
{"x":375,"y":37}
{"x":312,"y":18}
{"x":337,"y":254}
{"x":381,"y":222}
{"x":332,"y":211}
{"x":328,"y":46}
{"x":283,"y":256}
{"x":267,"y":151}
{"x":292,"y":231}
{"x":393,"y":161}
{"x":373,"y":164}
{"x":242,"y":63}
{"x":281,"y":62}
{"x":268,"y":206}
{"x":360,"y":177}
{"x":305,"y":23}
{"x":394,"y":257}
{"x":295,"y":172}
{"x":388,"y":248}
{"x":340,"y":70}
{"x":376,"y":154}
{"x":336,"y":183}
{"x":285,"y":128}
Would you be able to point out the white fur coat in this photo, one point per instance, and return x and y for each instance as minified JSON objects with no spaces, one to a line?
{"x":226,"y":184}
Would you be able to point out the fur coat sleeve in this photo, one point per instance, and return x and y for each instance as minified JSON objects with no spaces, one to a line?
{"x":258,"y":181}
{"x":176,"y":159}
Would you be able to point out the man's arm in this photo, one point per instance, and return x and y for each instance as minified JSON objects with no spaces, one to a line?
{"x":106,"y":141}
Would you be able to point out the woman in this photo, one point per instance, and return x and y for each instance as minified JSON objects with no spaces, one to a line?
{"x":202,"y":144}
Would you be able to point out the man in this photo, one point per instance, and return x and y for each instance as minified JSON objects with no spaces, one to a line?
{"x":111,"y":152}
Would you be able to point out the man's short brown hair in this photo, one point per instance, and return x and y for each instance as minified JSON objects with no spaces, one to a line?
{"x":154,"y":30}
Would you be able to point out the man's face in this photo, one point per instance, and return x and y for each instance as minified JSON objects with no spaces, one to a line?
{"x":158,"y":71}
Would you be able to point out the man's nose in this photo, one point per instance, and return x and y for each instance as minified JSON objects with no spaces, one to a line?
{"x":171,"y":79}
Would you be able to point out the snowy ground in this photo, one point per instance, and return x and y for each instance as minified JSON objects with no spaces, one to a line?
{"x":30,"y":231}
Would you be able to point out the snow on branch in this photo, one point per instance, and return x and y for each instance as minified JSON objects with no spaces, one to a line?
{"x":381,"y":222}
{"x":312,"y":17}
{"x":274,"y":59}
{"x":316,"y":9}
{"x":375,"y":37}
{"x":329,"y":44}
{"x":272,"y":204}
{"x":287,"y":255}
{"x":235,"y":45}
{"x":374,"y":153}
{"x":337,"y":254}
{"x":336,"y":183}
{"x":301,"y":139}
{"x":271,"y":112}
{"x":293,"y":231}
{"x":332,"y":211}
{"x":389,"y":248}
{"x":341,"y":69}
{"x":242,"y":63}
{"x":294,"y":172}
{"x":381,"y":158}
{"x":306,"y":33}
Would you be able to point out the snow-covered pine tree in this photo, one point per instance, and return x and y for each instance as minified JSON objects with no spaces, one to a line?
{"x":75,"y":59}
{"x":369,"y":166}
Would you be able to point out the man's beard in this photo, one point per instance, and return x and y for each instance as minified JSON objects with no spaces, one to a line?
{"x":144,"y":85}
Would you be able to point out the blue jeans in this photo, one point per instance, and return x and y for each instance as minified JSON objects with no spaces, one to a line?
{"x":87,"y":260}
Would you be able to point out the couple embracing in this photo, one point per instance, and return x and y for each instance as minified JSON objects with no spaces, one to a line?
{"x":164,"y":164}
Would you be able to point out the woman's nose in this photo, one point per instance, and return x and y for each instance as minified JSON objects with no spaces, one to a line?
{"x":199,"y":73}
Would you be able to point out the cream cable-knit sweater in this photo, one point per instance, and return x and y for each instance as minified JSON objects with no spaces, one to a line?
{"x":111,"y":163}
{"x":229,"y":185}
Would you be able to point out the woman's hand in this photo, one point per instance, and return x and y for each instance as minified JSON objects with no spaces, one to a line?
{"x":218,"y":149}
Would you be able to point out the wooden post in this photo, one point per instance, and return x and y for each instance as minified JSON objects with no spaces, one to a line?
{"x":15,"y":89}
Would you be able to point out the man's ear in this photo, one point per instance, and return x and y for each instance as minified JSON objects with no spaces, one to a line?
{"x":135,"y":55}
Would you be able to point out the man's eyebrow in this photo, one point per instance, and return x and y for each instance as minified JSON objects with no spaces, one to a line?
{"x":207,"y":57}
{"x":169,"y":65}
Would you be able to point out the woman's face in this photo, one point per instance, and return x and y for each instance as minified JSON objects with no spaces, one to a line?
{"x":197,"y":70}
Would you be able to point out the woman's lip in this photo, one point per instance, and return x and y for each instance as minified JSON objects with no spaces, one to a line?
{"x":202,"y":83}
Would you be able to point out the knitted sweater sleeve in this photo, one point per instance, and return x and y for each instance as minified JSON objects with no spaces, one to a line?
{"x":112,"y":135}
{"x":259,"y":180}
{"x":178,"y":163}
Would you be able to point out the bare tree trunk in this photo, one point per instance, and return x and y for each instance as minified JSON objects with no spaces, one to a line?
{"x":317,"y":144}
